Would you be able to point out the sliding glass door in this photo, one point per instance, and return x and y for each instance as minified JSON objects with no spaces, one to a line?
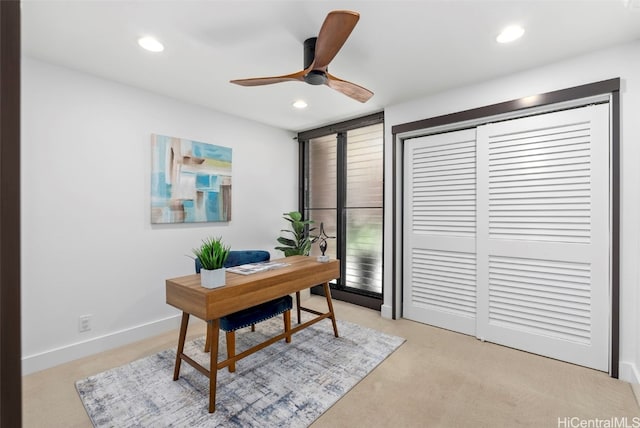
{"x":342,"y":174}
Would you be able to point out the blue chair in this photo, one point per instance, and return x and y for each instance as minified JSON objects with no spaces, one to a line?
{"x":251,"y":316}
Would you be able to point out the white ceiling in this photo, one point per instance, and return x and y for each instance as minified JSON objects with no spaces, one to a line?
{"x":400,"y":50}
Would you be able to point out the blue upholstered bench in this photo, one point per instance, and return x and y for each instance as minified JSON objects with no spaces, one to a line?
{"x":251,"y":316}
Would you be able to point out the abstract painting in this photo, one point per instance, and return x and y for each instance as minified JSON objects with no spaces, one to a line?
{"x":190,"y":181}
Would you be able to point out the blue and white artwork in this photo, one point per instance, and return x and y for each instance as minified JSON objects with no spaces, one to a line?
{"x":190,"y":181}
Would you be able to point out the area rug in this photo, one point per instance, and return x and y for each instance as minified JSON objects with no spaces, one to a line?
{"x":283,"y":385}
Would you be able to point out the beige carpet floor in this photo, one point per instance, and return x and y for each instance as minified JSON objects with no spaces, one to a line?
{"x":436,"y":379}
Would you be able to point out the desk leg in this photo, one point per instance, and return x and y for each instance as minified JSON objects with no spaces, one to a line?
{"x":183,"y":335}
{"x":327,"y":292}
{"x":213,"y":331}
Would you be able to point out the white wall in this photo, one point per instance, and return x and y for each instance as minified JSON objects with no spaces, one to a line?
{"x":87,"y":243}
{"x":621,"y":61}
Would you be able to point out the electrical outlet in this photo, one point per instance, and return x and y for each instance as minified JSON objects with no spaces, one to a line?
{"x":84,"y":323}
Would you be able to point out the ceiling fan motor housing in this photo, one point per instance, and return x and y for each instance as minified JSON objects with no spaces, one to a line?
{"x":314,"y":77}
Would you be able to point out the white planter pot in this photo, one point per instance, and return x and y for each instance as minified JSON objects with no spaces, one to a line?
{"x":213,"y":278}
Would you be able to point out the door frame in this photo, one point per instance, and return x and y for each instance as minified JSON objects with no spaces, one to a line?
{"x":606,"y":90}
{"x":10,"y":339}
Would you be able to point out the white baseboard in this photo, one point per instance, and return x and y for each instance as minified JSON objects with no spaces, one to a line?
{"x":628,"y":372}
{"x":64,"y":354}
{"x":386,"y":311}
{"x":53,"y":357}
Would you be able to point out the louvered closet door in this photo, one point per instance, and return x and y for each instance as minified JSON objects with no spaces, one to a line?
{"x":543,"y":235}
{"x":439,"y":230}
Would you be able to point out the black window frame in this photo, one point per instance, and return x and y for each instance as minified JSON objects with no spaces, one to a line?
{"x":338,"y":290}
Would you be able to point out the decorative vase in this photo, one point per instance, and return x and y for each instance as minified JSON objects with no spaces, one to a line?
{"x":212,"y":278}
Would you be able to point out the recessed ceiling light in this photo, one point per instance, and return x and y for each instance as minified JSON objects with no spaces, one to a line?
{"x":150,"y":44}
{"x":300,"y":104}
{"x":509,"y":34}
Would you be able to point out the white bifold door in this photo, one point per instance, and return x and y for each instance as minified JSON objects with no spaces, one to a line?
{"x":506,"y":233}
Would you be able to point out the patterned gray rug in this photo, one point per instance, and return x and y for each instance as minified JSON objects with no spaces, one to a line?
{"x":283,"y":385}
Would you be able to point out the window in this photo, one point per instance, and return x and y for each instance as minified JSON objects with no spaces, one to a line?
{"x":342,"y":173}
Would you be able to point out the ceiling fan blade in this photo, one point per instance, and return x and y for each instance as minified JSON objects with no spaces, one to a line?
{"x":352,"y":90}
{"x":334,"y":32}
{"x":258,"y":81}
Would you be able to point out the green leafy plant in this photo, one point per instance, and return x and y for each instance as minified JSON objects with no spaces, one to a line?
{"x":212,"y":253}
{"x":298,"y":239}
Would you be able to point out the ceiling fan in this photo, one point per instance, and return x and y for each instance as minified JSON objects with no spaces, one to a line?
{"x":318,"y":53}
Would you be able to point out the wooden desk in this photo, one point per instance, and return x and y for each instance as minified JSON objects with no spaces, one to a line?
{"x":241,"y":292}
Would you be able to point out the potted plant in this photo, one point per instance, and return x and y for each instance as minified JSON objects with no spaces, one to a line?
{"x":212,"y":255}
{"x":298,"y":239}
